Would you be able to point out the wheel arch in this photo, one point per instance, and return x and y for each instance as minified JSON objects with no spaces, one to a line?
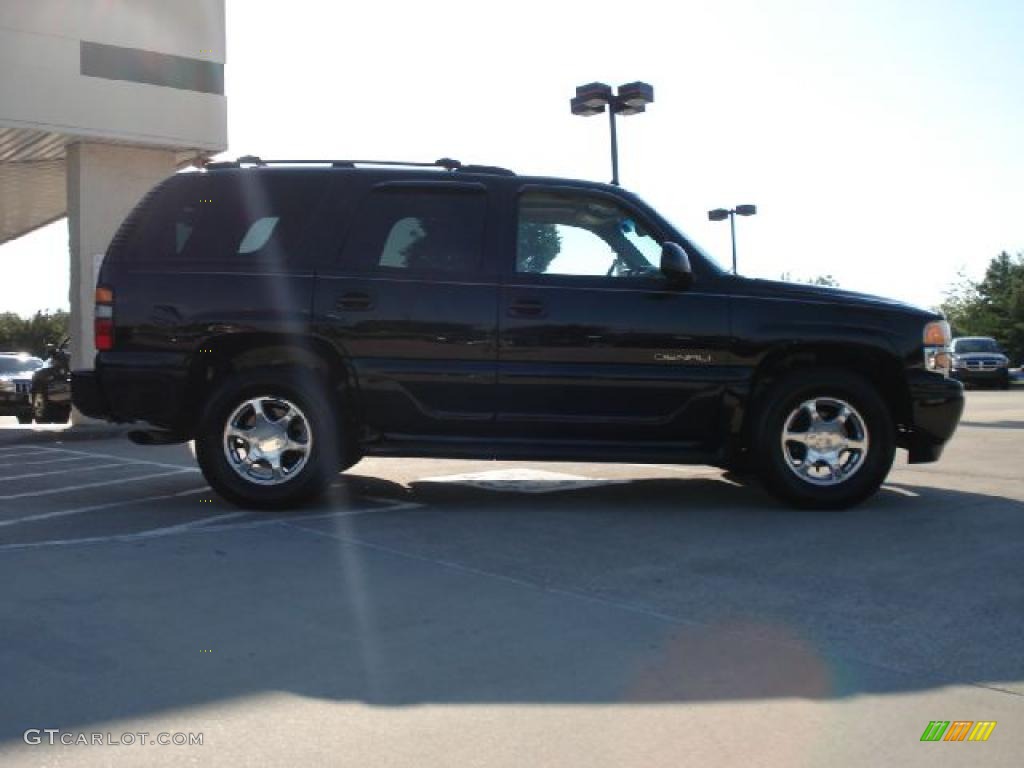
{"x":883,"y":370}
{"x":221,"y":356}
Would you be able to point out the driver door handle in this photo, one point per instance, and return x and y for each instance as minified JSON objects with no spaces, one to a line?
{"x":526,"y":308}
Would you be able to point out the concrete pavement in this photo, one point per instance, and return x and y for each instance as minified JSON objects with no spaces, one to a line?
{"x":466,"y":613}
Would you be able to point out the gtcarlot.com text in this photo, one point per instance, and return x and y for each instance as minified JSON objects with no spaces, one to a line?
{"x":56,"y":736}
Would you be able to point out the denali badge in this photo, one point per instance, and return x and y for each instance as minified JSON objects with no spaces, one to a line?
{"x":682,"y":357}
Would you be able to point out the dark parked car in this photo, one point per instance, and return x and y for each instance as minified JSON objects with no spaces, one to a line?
{"x":293,"y":319}
{"x":16,"y":369}
{"x":980,"y":360}
{"x":51,"y":387}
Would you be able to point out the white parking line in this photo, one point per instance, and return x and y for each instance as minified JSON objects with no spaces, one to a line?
{"x":122,"y":458}
{"x":44,"y":461}
{"x":96,"y":507}
{"x":200,"y":526}
{"x":397,"y":506}
{"x":20,"y":450}
{"x":151,"y":534}
{"x":89,"y":468}
{"x":68,"y":489}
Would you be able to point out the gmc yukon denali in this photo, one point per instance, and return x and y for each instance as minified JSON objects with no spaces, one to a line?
{"x":293,"y":317}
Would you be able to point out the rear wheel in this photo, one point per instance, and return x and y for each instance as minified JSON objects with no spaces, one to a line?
{"x":825,"y":439}
{"x":45,"y":412}
{"x":269,"y":438}
{"x":24,"y":418}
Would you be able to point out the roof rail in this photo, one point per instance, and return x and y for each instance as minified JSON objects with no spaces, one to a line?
{"x":446,"y":163}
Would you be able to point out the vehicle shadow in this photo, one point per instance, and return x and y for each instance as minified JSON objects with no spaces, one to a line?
{"x":994,"y":424}
{"x":668,"y":589}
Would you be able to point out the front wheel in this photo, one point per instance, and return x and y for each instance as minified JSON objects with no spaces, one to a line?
{"x":269,"y":438}
{"x":825,"y":439}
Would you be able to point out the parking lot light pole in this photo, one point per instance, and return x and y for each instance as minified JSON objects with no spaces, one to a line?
{"x":720,"y":214}
{"x":631,"y":99}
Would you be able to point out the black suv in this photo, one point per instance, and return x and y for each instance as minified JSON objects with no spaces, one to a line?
{"x":294,"y":317}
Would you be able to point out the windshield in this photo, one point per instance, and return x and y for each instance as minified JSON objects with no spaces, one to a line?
{"x":10,"y":365}
{"x":968,"y":346}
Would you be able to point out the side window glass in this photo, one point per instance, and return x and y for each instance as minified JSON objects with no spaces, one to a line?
{"x":241,"y":217}
{"x":582,"y":235}
{"x":258,"y":234}
{"x":425,"y":231}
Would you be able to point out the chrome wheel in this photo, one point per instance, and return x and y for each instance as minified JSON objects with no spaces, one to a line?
{"x":824,"y":441}
{"x":267,"y":440}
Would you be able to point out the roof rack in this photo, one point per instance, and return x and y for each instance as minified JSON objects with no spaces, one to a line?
{"x":446,"y":163}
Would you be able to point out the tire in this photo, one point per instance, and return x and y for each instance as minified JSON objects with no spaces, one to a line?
{"x":45,"y":412}
{"x":24,"y":418}
{"x":860,"y":442}
{"x":313,"y":428}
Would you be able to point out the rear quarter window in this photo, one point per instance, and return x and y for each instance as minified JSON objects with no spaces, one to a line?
{"x":233,"y":219}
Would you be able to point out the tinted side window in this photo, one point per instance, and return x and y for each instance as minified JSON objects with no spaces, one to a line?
{"x":242,"y":218}
{"x":424,"y":231}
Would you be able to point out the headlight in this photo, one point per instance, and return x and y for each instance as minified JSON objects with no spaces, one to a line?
{"x":7,"y":386}
{"x":937,"y":356}
{"x":958,"y":362}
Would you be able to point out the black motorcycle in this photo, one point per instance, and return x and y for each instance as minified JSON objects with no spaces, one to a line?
{"x":51,"y":386}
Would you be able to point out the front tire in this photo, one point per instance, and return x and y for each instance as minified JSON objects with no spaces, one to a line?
{"x":825,"y":439}
{"x":269,"y":438}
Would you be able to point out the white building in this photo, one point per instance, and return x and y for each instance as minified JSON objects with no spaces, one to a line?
{"x":99,"y":100}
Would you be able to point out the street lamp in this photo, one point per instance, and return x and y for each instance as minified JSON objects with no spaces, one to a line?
{"x":631,"y":99}
{"x":721,"y":214}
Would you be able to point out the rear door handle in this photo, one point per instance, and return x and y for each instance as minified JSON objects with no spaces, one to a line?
{"x":354,"y":302}
{"x":526,"y":308}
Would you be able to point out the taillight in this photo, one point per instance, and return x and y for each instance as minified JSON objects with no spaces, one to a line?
{"x":103,"y":324}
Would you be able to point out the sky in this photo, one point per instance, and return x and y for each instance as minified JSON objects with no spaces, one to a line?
{"x":880,"y":140}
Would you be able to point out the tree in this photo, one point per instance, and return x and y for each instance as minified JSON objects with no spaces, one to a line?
{"x":19,"y":334}
{"x":993,"y":306}
{"x":826,"y":280}
{"x":539,"y":244}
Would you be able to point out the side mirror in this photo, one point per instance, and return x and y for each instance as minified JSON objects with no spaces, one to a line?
{"x":675,"y":265}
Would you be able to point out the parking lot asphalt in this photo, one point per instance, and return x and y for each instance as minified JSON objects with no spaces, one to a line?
{"x":450,"y":613}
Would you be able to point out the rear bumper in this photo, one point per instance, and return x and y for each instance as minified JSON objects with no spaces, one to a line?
{"x":936,"y":405}
{"x":145,"y":388}
{"x":86,"y":395}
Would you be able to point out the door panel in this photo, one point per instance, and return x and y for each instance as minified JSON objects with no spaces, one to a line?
{"x":423,"y":353}
{"x":622,"y":364}
{"x":594,"y":343}
{"x":409,"y":304}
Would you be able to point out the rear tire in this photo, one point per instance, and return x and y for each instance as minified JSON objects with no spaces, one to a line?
{"x":824,"y":439}
{"x":24,"y":418}
{"x":257,"y":415}
{"x":45,"y":412}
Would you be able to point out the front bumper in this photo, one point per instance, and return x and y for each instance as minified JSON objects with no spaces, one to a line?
{"x":936,"y":405}
{"x":969,"y":375}
{"x":14,"y":404}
